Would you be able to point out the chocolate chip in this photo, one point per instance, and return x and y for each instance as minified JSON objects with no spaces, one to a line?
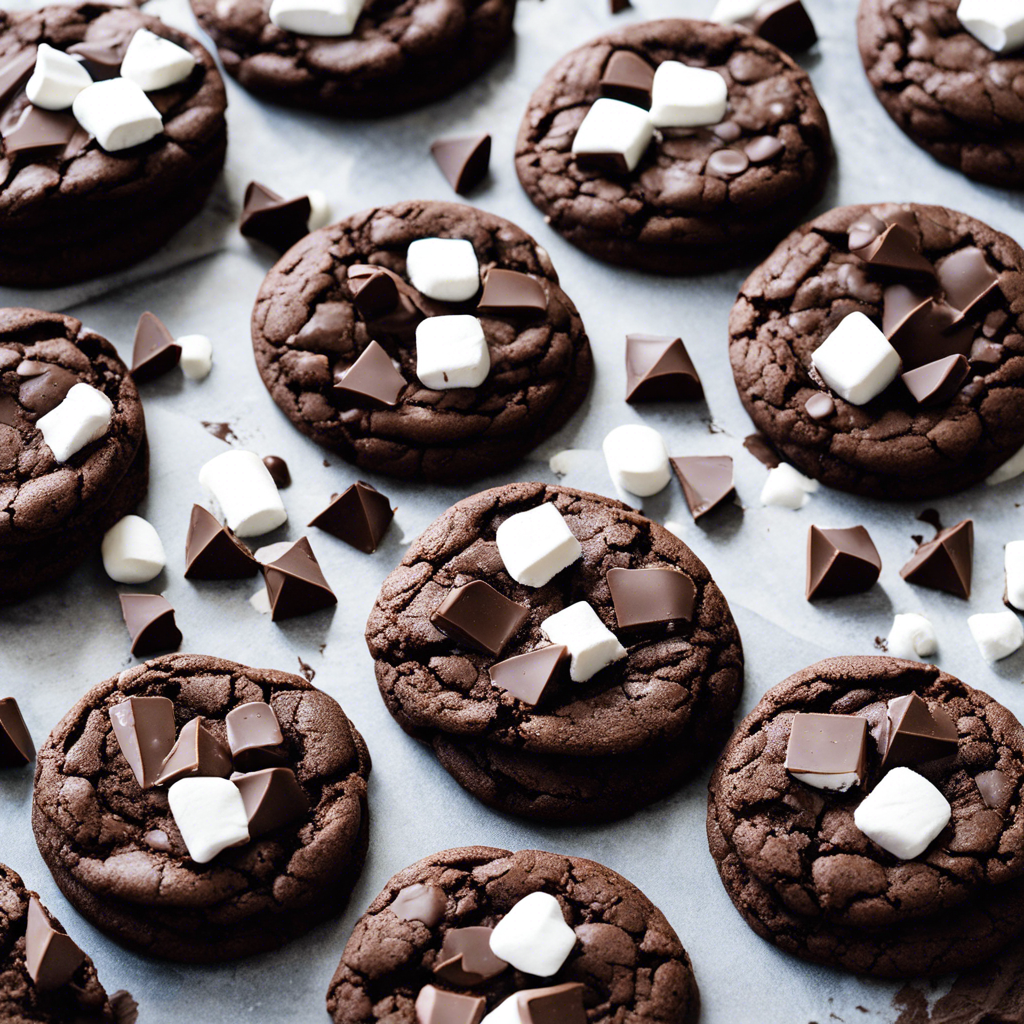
{"x":946,"y":562}
{"x":828,"y":745}
{"x":651,"y":597}
{"x":727,"y":163}
{"x":895,"y":249}
{"x":213,"y":552}
{"x":272,"y":798}
{"x":530,"y":677}
{"x":270,"y":218}
{"x":967,"y":277}
{"x":14,"y":73}
{"x":155,"y":351}
{"x":144,"y":730}
{"x":295,"y":584}
{"x":477,"y":615}
{"x":359,"y":516}
{"x":436,"y":1006}
{"x":938,"y":381}
{"x":931,"y":332}
{"x":40,"y":129}
{"x":51,"y":957}
{"x":278,"y":470}
{"x":996,"y":789}
{"x":707,"y":480}
{"x":372,"y":379}
{"x":727,"y":131}
{"x":510,"y":292}
{"x":419,"y":902}
{"x":197,"y":752}
{"x":466,"y":959}
{"x":659,"y":369}
{"x":254,"y":737}
{"x":557,"y":1004}
{"x":16,"y":747}
{"x":627,"y":77}
{"x":463,"y":161}
{"x":840,"y":562}
{"x":150,"y":622}
{"x":820,"y":406}
{"x":785,"y":23}
{"x":914,"y":734}
{"x":45,"y":385}
{"x":763,"y":148}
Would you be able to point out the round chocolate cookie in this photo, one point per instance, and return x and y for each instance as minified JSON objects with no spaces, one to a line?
{"x":952,"y":310}
{"x":339,"y":304}
{"x":56,"y":512}
{"x":124,"y":843}
{"x":69,"y":208}
{"x":949,"y":92}
{"x":401,"y":53}
{"x":626,"y":962}
{"x":794,"y":856}
{"x":699,"y":197}
{"x":530,"y":738}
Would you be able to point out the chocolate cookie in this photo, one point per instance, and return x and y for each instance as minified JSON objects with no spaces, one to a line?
{"x":699,"y":197}
{"x":621,"y":956}
{"x":127,"y":846}
{"x":338,"y":341}
{"x":795,"y":859}
{"x":399,"y":55}
{"x":949,"y":305}
{"x":949,"y":92}
{"x":56,"y":510}
{"x":69,"y":207}
{"x":536,"y":738}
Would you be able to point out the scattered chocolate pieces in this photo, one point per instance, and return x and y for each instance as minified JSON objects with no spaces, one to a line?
{"x":372,"y":378}
{"x":383,"y":300}
{"x":931,"y":331}
{"x":899,"y":302}
{"x":761,"y":448}
{"x":840,"y":562}
{"x":15,"y":73}
{"x":144,"y":730}
{"x":820,"y":406}
{"x":51,"y":956}
{"x":864,"y":231}
{"x":946,"y":562}
{"x":295,"y":584}
{"x":785,"y":23}
{"x":707,"y":481}
{"x":914,"y":734}
{"x":44,"y":385}
{"x":40,"y":129}
{"x":359,"y":516}
{"x":463,"y":161}
{"x":827,"y":751}
{"x":510,"y":292}
{"x":436,"y":1006}
{"x":270,"y":218}
{"x":763,"y":148}
{"x":937,"y":381}
{"x":618,"y":6}
{"x":557,"y":1004}
{"x":659,"y":369}
{"x":254,"y":737}
{"x":466,"y":958}
{"x":419,"y":902}
{"x":272,"y":798}
{"x":196,"y":752}
{"x":895,"y":249}
{"x":627,"y":77}
{"x":213,"y":552}
{"x":966,"y":277}
{"x":155,"y":350}
{"x":996,"y":789}
{"x":278,"y":470}
{"x":478,"y":615}
{"x":727,"y":163}
{"x":150,"y":622}
{"x":651,"y":597}
{"x":528,"y":677}
{"x":102,"y":58}
{"x":16,"y":746}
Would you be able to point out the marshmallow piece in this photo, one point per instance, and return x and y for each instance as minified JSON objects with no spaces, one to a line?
{"x":57,"y":79}
{"x":787,"y":487}
{"x":533,"y":936}
{"x":245,"y":491}
{"x":997,"y":634}
{"x":1009,"y":470}
{"x":83,"y":417}
{"x":196,"y":360}
{"x":118,"y":113}
{"x":451,"y":352}
{"x":210,"y":814}
{"x":132,"y":551}
{"x":506,"y":1012}
{"x":856,"y":360}
{"x":592,"y":645}
{"x":999,"y":24}
{"x":637,"y":459}
{"x":319,"y":210}
{"x":536,"y":545}
{"x":903,"y":813}
{"x":317,"y":17}
{"x":445,"y":269}
{"x":616,"y":128}
{"x":1013,"y":560}
{"x":153,"y":63}
{"x":912,"y":637}
{"x":728,"y":12}
{"x":687,"y":97}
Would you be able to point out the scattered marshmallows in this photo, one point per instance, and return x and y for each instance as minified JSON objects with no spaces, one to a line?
{"x":687,"y":97}
{"x":787,"y":487}
{"x":999,"y":24}
{"x":56,"y":80}
{"x":533,"y":936}
{"x":245,"y":491}
{"x":903,"y":813}
{"x":132,"y":551}
{"x":196,"y":360}
{"x":536,"y":545}
{"x":637,"y":459}
{"x":83,"y":417}
{"x":118,"y":113}
{"x":210,"y":814}
{"x":451,"y":352}
{"x":856,"y":360}
{"x":317,"y":17}
{"x":445,"y":269}
{"x":614,"y":128}
{"x":912,"y":636}
{"x":592,"y":645}
{"x":153,"y":63}
{"x":997,"y":634}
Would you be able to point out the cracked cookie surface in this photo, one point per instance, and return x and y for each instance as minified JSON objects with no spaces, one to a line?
{"x":627,"y":957}
{"x":94,"y":825}
{"x":807,"y":879}
{"x":672,"y":214}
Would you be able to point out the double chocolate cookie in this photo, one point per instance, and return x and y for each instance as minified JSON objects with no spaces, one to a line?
{"x":425,"y":949}
{"x":151,"y":841}
{"x":57,"y":505}
{"x":77,"y":199}
{"x":734,"y":160}
{"x":566,"y":658}
{"x":446,"y":386}
{"x":866,"y":814}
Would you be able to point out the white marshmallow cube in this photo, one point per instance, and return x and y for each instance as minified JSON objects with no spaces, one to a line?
{"x":787,"y":487}
{"x":319,"y":209}
{"x":637,"y":459}
{"x":592,"y":645}
{"x":612,"y":126}
{"x":451,"y":352}
{"x":196,"y":360}
{"x":132,"y":551}
{"x":728,"y":12}
{"x":1009,"y":470}
{"x":536,"y":545}
{"x":687,"y":97}
{"x":912,"y":637}
{"x":997,"y":634}
{"x":903,"y":813}
{"x":118,"y":113}
{"x":210,"y":815}
{"x":1013,"y":560}
{"x":153,"y":63}
{"x":856,"y":360}
{"x":83,"y":417}
{"x":999,"y":24}
{"x":56,"y":80}
{"x":245,"y":491}
{"x":445,"y":269}
{"x":533,"y":936}
{"x":317,"y":17}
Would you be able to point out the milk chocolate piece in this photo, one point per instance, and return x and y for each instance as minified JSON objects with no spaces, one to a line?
{"x":272,"y":798}
{"x":627,"y":77}
{"x":40,"y":129}
{"x":938,"y":381}
{"x":466,"y":959}
{"x":900,"y":301}
{"x":967,"y":278}
{"x":436,"y":1006}
{"x":254,"y":737}
{"x":372,"y":379}
{"x":915,"y":734}
{"x":529,"y":677}
{"x":419,"y":902}
{"x":763,"y":148}
{"x":196,"y":752}
{"x":510,"y":292}
{"x":707,"y":481}
{"x":761,"y":448}
{"x":930,"y":332}
{"x":270,"y":218}
{"x":213,"y":552}
{"x":557,"y":1004}
{"x":945,"y":563}
{"x":476,"y":614}
{"x":144,"y":730}
{"x":864,"y":231}
{"x":820,"y":406}
{"x":651,"y":597}
{"x":659,"y":369}
{"x":14,"y":73}
{"x":785,"y":23}
{"x":996,"y":789}
{"x":840,"y":562}
{"x":895,"y":249}
{"x":834,"y":746}
{"x":45,"y":385}
{"x":463,"y":161}
{"x":51,"y":956}
{"x":155,"y":350}
{"x":386,"y":302}
{"x":102,"y":57}
{"x":727,"y":163}
{"x":278,"y":470}
{"x":359,"y":516}
{"x":16,"y":746}
{"x":150,"y":622}
{"x":295,"y":584}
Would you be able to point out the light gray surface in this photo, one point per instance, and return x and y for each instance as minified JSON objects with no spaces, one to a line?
{"x":54,"y":647}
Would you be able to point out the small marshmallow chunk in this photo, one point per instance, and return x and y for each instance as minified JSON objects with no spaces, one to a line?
{"x":445,"y":269}
{"x":612,"y":126}
{"x":83,"y":417}
{"x":856,"y":360}
{"x":533,"y":936}
{"x":132,"y":551}
{"x":787,"y":487}
{"x":57,"y":79}
{"x":196,"y":356}
{"x":1013,"y":559}
{"x":1009,"y":470}
{"x":451,"y":352}
{"x":245,"y":491}
{"x":210,"y":814}
{"x":153,"y":63}
{"x":637,"y":459}
{"x":506,"y":1012}
{"x":118,"y":113}
{"x":319,"y":210}
{"x":728,"y":12}
{"x":912,"y":637}
{"x":997,"y":634}
{"x":536,"y":544}
{"x":687,"y":97}
{"x":592,"y":645}
{"x":317,"y":17}
{"x":903,"y":813}
{"x":999,"y":24}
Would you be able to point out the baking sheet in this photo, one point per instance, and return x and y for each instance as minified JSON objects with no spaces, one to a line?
{"x":55,"y":646}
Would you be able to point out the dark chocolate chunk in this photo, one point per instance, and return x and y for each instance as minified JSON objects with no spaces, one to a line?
{"x":938,"y":381}
{"x":946,"y":562}
{"x":930,"y":332}
{"x":372,"y":378}
{"x":254,"y":737}
{"x":727,"y":163}
{"x":419,"y":902}
{"x":830,"y":745}
{"x":659,"y":369}
{"x":389,"y":306}
{"x":602,"y":163}
{"x":144,"y":730}
{"x":155,"y":350}
{"x":463,"y":161}
{"x":996,"y":789}
{"x":196,"y":752}
{"x":51,"y":956}
{"x":476,"y":614}
{"x":466,"y":959}
{"x":618,"y":6}
{"x":627,"y":77}
{"x":278,"y":470}
{"x":16,"y":746}
{"x":14,"y":73}
{"x":272,"y":798}
{"x":359,"y":516}
{"x":760,"y":447}
{"x":270,"y":218}
{"x":651,"y":597}
{"x":707,"y":480}
{"x":820,"y":406}
{"x":40,"y":129}
{"x":915,"y":734}
{"x":840,"y":562}
{"x":295,"y":584}
{"x":785,"y":23}
{"x":967,"y":277}
{"x":895,"y":249}
{"x":436,"y":1006}
{"x":213,"y":552}
{"x":102,"y":57}
{"x":45,"y":385}
{"x":150,"y":622}
{"x":899,"y":302}
{"x":509,"y":292}
{"x":528,"y":677}
{"x":557,"y":1004}
{"x":763,"y":148}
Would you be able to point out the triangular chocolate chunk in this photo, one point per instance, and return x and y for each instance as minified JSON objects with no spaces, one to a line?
{"x":931,"y":331}
{"x":707,"y":480}
{"x":895,"y":249}
{"x":864,"y":231}
{"x":372,"y":378}
{"x":967,"y":277}
{"x":14,"y":73}
{"x":374,"y":291}
{"x":16,"y":746}
{"x":272,"y":219}
{"x":44,"y":385}
{"x":213,"y":552}
{"x":530,"y":677}
{"x":438,"y":1006}
{"x":272,"y":798}
{"x":914,"y":734}
{"x":295,"y":584}
{"x":51,"y":956}
{"x":659,"y":369}
{"x":102,"y":57}
{"x":510,"y":292}
{"x":946,"y":562}
{"x":197,"y":752}
{"x":786,"y":24}
{"x":840,"y":562}
{"x":900,"y":301}
{"x":466,"y":959}
{"x":155,"y":350}
{"x":40,"y":129}
{"x":463,"y":161}
{"x":658,"y":596}
{"x":938,"y":381}
{"x":477,"y":615}
{"x":627,"y":77}
{"x":144,"y":730}
{"x":150,"y":622}
{"x":359,"y":516}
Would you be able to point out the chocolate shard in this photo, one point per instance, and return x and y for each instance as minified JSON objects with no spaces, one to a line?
{"x":102,"y":57}
{"x":463,"y":161}
{"x":466,"y":959}
{"x":895,"y":249}
{"x":254,"y":737}
{"x":938,"y":381}
{"x":627,"y":77}
{"x":786,"y":24}
{"x":278,"y":470}
{"x":967,"y":277}
{"x":372,"y":379}
{"x":899,"y":302}
{"x":359,"y":516}
{"x":820,"y":406}
{"x":996,"y":789}
{"x":840,"y":562}
{"x":651,"y":597}
{"x":51,"y":957}
{"x":477,"y":615}
{"x":707,"y":480}
{"x":144,"y":730}
{"x":385,"y":301}
{"x":946,"y":562}
{"x":14,"y":73}
{"x":761,"y":448}
{"x":272,"y":219}
{"x":16,"y":746}
{"x":930,"y":332}
{"x":295,"y":584}
{"x":196,"y":752}
{"x":39,"y":130}
{"x":419,"y":902}
{"x":557,"y":1004}
{"x":531,"y":676}
{"x":512,"y":293}
{"x":44,"y":385}
{"x":915,"y":734}
{"x":213,"y":552}
{"x":864,"y":231}
{"x":830,"y":751}
{"x":659,"y":369}
{"x":436,"y":1006}
{"x":150,"y":622}
{"x":155,"y":352}
{"x":272,"y":798}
